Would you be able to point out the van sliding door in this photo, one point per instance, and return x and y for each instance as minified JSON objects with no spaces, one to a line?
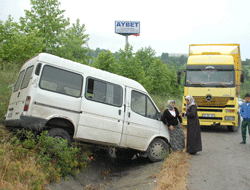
{"x":102,"y":112}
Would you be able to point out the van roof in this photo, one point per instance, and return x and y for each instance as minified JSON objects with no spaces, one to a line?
{"x":88,"y":70}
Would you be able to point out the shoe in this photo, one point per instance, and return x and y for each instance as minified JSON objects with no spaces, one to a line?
{"x":243,"y":142}
{"x":192,"y":153}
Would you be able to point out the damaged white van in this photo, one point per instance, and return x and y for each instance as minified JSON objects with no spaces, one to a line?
{"x":78,"y":102}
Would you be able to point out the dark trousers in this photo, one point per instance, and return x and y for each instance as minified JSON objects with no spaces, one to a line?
{"x":244,"y":126}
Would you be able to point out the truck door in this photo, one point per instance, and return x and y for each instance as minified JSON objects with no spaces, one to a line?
{"x":102,"y":114}
{"x":140,"y":120}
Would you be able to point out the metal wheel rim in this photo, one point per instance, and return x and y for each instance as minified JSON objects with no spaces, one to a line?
{"x":158,"y":151}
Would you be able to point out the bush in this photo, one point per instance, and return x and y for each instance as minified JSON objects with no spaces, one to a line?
{"x":30,"y":163}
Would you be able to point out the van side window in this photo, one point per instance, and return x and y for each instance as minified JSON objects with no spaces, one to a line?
{"x":61,"y":81}
{"x":142,"y":105}
{"x":104,"y":92}
{"x":138,"y":103}
{"x":26,"y":78}
{"x":18,"y":82}
{"x":151,"y":111}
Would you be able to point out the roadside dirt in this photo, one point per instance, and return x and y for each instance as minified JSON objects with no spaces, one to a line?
{"x":223,"y":164}
{"x":107,"y":173}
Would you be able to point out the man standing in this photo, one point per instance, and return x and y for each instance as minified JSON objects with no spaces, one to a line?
{"x":245,"y":113}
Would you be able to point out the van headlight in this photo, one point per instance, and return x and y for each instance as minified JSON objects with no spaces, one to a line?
{"x":229,"y":118}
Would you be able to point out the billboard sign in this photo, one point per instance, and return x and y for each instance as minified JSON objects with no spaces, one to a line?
{"x":127,"y":27}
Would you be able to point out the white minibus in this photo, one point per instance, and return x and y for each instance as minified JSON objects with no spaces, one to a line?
{"x":78,"y":102}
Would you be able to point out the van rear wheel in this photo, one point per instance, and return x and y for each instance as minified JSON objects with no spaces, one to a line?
{"x":157,"y":150}
{"x":58,"y":133}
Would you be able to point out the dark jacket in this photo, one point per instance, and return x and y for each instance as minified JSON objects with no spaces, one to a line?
{"x":168,"y":119}
{"x":194,"y":143}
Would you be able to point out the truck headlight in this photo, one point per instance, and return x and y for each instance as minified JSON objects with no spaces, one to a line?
{"x":229,"y":118}
{"x":230,"y":111}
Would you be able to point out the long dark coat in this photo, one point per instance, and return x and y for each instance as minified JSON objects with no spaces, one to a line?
{"x":193,"y":130}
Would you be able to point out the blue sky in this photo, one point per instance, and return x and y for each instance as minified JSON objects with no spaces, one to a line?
{"x":166,"y":26}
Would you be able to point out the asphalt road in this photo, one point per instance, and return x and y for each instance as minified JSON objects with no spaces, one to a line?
{"x":223,"y":163}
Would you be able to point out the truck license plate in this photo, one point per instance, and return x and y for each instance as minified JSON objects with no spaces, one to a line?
{"x":208,"y":115}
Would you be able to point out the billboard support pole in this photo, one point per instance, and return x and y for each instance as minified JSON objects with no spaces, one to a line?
{"x":126,"y":40}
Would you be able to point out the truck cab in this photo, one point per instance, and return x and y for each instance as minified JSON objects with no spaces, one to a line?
{"x":213,"y":77}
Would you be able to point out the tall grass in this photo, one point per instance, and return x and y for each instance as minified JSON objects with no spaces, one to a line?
{"x":7,"y":78}
{"x":28,"y":163}
{"x":161,"y":101}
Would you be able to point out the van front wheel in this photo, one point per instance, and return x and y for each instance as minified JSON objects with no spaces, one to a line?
{"x":157,"y":150}
{"x":59,"y":133}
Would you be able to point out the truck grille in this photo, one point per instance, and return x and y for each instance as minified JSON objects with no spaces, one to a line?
{"x":211,"y":118}
{"x":210,"y":110}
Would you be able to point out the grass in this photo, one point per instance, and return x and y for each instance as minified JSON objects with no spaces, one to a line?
{"x":161,"y":101}
{"x":7,"y":78}
{"x":174,"y":172}
{"x":26,"y":163}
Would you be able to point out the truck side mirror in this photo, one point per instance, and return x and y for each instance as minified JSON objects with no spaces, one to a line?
{"x":242,"y":78}
{"x":179,"y":77}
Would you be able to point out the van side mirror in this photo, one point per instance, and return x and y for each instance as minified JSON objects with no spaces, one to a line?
{"x":159,"y":116}
{"x":242,"y":78}
{"x":179,"y":77}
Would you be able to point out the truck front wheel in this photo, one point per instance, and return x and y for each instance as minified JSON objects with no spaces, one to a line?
{"x":235,"y":128}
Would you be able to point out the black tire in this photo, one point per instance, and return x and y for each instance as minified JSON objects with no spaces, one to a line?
{"x":157,"y":150}
{"x":234,"y":128}
{"x":124,"y":154}
{"x":60,"y":133}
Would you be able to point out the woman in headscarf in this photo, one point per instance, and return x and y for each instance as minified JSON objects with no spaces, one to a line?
{"x":170,"y":116}
{"x":193,"y":126}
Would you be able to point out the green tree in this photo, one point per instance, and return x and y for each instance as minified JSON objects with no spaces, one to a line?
{"x":17,"y":46}
{"x":73,"y":43}
{"x":130,"y":66}
{"x":105,"y":61}
{"x":146,"y":56}
{"x":159,"y":76}
{"x":45,"y":17}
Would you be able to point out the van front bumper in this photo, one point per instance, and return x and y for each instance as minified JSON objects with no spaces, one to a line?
{"x":33,"y":123}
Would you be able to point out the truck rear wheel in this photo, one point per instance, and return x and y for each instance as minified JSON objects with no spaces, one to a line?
{"x":235,"y":128}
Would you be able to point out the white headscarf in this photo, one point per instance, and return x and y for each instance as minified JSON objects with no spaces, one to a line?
{"x":191,"y":101}
{"x":169,"y":104}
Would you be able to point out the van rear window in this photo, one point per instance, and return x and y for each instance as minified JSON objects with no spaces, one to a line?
{"x":18,"y":82}
{"x":61,"y":81}
{"x":26,"y":78}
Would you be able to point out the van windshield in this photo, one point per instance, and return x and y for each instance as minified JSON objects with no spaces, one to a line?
{"x":61,"y":81}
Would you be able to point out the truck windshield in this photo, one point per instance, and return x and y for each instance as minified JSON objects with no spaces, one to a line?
{"x":211,"y":78}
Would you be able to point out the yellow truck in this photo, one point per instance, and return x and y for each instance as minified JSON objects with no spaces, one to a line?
{"x":213,"y":77}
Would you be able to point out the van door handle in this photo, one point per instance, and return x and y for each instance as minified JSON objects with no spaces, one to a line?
{"x":120,"y":112}
{"x":128,"y":114}
{"x":18,"y":94}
